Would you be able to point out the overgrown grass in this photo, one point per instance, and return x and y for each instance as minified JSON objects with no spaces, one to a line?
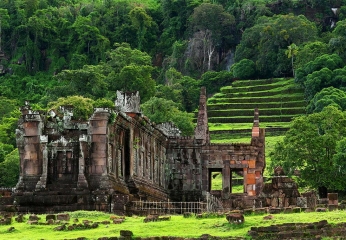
{"x":238,"y":126}
{"x":177,"y":226}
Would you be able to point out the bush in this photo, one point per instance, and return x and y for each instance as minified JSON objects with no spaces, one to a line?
{"x":245,"y":69}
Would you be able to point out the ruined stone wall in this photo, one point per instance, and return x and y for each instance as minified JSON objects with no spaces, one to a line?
{"x":137,"y":153}
{"x":82,"y":164}
{"x":119,"y":156}
{"x":184,"y":169}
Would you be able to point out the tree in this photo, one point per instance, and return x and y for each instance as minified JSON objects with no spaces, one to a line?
{"x":318,"y":80}
{"x":88,"y":81}
{"x":82,"y":107}
{"x":141,"y":21}
{"x":292,"y":50}
{"x":310,"y":145}
{"x":319,"y":73}
{"x":266,"y":42}
{"x":337,"y":43}
{"x":160,"y":110}
{"x":244,"y":69}
{"x":213,"y":81}
{"x":210,"y":23}
{"x":130,"y":70}
{"x":9,"y":169}
{"x":328,"y":96}
{"x":4,"y":23}
{"x":8,"y":127}
{"x":309,"y":52}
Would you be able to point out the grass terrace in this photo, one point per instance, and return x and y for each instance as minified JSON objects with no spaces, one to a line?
{"x":231,"y":111}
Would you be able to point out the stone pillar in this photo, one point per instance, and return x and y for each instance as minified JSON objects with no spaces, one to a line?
{"x":29,"y":132}
{"x":333,"y":199}
{"x":43,"y":179}
{"x":226,"y":180}
{"x":132,"y":150}
{"x":82,"y":182}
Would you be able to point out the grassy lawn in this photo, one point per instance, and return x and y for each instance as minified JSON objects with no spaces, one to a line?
{"x":177,"y":226}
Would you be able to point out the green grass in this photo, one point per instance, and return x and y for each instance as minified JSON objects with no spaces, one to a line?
{"x":238,"y":126}
{"x":177,"y":226}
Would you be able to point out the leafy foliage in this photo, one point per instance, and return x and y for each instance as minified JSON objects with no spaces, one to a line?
{"x":310,"y":145}
{"x":244,"y":69}
{"x":160,"y":110}
{"x":266,"y":42}
{"x":328,"y":96}
{"x":82,"y":107}
{"x":9,"y":169}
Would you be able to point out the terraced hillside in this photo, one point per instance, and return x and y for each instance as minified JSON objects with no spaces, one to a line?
{"x":230,"y":112}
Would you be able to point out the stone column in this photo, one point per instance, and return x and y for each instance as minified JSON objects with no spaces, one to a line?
{"x":132,"y":151}
{"x":43,"y":179}
{"x":82,"y":182}
{"x":226,"y":179}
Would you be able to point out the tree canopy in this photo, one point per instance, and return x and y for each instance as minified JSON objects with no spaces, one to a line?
{"x":310,"y":145}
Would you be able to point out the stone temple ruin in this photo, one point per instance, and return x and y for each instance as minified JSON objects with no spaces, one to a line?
{"x":117,"y":157}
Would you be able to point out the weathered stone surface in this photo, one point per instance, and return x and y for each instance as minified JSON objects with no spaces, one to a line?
{"x":63,"y":217}
{"x":50,"y":216}
{"x":302,"y":202}
{"x":33,"y":222}
{"x":6,"y":221}
{"x":60,"y":228}
{"x":151,"y":218}
{"x":20,"y":218}
{"x":33,"y":217}
{"x":84,"y":164}
{"x":235,"y":218}
{"x":50,"y":222}
{"x":126,"y":233}
{"x":118,"y":221}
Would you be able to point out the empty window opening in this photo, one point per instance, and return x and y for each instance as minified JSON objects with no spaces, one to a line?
{"x":216,"y":180}
{"x":237,"y":185}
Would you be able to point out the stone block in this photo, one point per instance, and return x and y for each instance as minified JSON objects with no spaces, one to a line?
{"x":235,"y":218}
{"x":33,"y":217}
{"x":332,"y":198}
{"x":63,"y":217}
{"x":252,"y":163}
{"x":126,"y":233}
{"x":302,"y":202}
{"x":321,"y":209}
{"x":251,"y":178}
{"x":50,"y":216}
{"x":332,"y":207}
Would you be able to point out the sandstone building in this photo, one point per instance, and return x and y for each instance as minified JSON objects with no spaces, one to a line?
{"x":118,"y":156}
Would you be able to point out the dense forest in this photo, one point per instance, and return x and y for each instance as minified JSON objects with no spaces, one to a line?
{"x":64,"y":51}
